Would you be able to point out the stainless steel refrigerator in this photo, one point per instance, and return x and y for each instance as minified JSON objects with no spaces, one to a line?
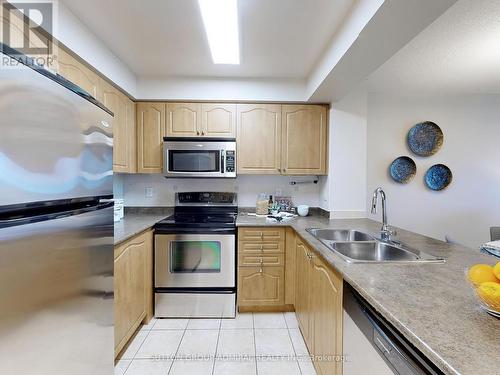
{"x":56,"y":226}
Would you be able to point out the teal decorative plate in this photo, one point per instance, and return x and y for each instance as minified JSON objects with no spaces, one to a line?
{"x":425,"y":138}
{"x":403,"y":169}
{"x":438,"y":177}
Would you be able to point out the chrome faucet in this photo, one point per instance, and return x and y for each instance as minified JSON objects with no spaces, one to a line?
{"x":385,"y":231}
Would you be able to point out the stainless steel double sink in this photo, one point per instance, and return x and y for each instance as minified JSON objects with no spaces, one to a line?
{"x":358,"y":247}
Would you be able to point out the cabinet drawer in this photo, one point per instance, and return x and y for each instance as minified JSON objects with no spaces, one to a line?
{"x":265,"y":260}
{"x":261,"y":286}
{"x":261,"y":234}
{"x":260,"y":248}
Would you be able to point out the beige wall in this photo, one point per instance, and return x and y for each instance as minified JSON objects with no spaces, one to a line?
{"x":471,"y":204}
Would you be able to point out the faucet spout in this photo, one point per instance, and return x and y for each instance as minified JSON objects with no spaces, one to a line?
{"x":385,"y":232}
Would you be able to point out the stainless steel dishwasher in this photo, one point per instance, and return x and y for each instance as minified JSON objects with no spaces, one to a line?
{"x":370,"y":342}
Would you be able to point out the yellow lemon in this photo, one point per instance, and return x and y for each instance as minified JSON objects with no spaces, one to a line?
{"x":489,"y":292}
{"x":496,"y":270}
{"x":480,"y":273}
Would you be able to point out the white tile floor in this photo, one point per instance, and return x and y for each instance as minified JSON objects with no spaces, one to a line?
{"x":258,"y":343}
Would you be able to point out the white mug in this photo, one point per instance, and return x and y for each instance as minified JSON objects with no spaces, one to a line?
{"x":303,"y":210}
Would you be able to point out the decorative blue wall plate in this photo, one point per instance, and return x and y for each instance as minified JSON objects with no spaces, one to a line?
{"x":403,"y":169}
{"x":438,"y":177}
{"x":425,"y":138}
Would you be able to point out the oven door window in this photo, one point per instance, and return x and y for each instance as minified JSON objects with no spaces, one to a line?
{"x":195,"y":257}
{"x":194,"y":160}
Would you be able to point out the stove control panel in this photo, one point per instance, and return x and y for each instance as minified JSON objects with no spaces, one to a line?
{"x":206,"y":198}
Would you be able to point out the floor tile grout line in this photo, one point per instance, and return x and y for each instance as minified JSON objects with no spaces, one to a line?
{"x":293,"y":347}
{"x":177,"y":350}
{"x":216,"y":347}
{"x":254,"y":344}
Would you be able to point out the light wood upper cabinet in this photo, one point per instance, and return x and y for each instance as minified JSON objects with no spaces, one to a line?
{"x":124,"y":135}
{"x":218,"y":120}
{"x":74,"y":71}
{"x":150,"y":133}
{"x":258,"y":138}
{"x":183,"y":119}
{"x":304,"y":139}
{"x":132,"y":285}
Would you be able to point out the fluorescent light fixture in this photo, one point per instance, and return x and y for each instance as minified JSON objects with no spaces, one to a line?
{"x":220,"y":18}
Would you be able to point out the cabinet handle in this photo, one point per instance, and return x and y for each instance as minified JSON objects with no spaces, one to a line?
{"x":279,"y":170}
{"x":261,"y":248}
{"x":261,"y":260}
{"x":261,"y":235}
{"x":260,"y":270}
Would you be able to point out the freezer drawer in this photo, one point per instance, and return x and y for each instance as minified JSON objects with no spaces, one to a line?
{"x":56,"y":288}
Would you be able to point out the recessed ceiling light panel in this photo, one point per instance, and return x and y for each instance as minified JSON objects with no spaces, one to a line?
{"x":220,"y":18}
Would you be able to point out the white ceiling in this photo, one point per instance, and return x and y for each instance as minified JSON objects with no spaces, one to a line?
{"x":159,"y":39}
{"x":458,"y":53}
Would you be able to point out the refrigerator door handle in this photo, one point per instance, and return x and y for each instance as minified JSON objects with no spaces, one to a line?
{"x":100,"y":205}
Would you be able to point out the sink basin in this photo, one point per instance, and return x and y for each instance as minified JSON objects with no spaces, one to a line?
{"x":340,"y":235}
{"x":359,"y":247}
{"x":374,"y":252}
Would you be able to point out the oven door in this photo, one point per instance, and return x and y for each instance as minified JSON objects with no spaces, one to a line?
{"x":195,"y":261}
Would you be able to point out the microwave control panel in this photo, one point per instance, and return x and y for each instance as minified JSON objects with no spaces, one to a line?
{"x":230,"y":161}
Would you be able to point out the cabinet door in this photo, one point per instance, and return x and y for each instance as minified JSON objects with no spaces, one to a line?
{"x":218,"y":120}
{"x":303,"y":291}
{"x":74,"y":71}
{"x":258,"y":138}
{"x":130,"y":289}
{"x":183,"y":119}
{"x":304,"y":139}
{"x":124,"y":156}
{"x":261,"y":286}
{"x":150,"y":132}
{"x":326,"y":308}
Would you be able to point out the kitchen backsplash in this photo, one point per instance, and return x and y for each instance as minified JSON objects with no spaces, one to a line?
{"x":156,"y":190}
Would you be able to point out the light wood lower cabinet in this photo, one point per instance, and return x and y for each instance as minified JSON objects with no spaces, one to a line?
{"x":150,"y":133}
{"x":261,"y":286}
{"x":133,"y":286}
{"x":261,"y":267}
{"x":318,"y":306}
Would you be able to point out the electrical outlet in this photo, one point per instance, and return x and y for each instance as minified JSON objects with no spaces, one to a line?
{"x":148,"y":192}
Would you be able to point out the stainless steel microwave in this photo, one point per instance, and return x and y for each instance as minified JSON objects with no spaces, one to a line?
{"x":199,"y":158}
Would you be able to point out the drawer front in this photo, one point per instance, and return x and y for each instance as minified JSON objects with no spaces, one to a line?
{"x":261,"y":286}
{"x":261,"y":248}
{"x":265,"y":260}
{"x":261,"y":234}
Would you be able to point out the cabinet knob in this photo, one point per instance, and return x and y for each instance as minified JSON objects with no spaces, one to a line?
{"x":261,"y":260}
{"x":202,"y":133}
{"x":260,"y":270}
{"x":197,"y":132}
{"x":279,"y":170}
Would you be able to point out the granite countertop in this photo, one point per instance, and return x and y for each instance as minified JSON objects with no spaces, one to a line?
{"x":432,"y":305}
{"x":137,"y":220}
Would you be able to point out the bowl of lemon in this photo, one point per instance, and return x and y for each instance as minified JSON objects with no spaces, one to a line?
{"x":485,"y":280}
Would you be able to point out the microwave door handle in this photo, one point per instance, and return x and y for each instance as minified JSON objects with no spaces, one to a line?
{"x":222,"y":158}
